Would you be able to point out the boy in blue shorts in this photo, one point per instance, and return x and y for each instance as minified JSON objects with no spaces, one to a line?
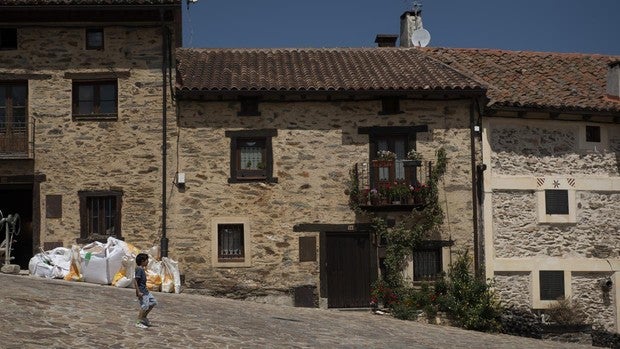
{"x":146,"y":299}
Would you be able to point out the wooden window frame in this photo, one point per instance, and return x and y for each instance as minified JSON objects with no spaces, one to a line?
{"x":7,"y":124}
{"x":248,"y":106}
{"x":7,"y":45}
{"x":86,"y":235}
{"x":90,"y":31}
{"x":593,"y":134}
{"x":95,"y":114}
{"x":237,"y":174}
{"x":390,"y":105}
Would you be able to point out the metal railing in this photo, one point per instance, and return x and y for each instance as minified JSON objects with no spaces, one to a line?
{"x":390,"y":183}
{"x":17,"y":139}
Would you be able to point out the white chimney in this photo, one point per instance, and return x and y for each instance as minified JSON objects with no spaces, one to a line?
{"x":613,"y":80}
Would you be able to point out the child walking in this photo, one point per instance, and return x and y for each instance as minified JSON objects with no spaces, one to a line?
{"x":146,"y":299}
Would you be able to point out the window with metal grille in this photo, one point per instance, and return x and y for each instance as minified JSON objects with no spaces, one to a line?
{"x":95,"y":99}
{"x":427,"y":264}
{"x":100,"y":214}
{"x":593,"y":134}
{"x":551,"y":285}
{"x":8,"y":38}
{"x":230,"y":244}
{"x":556,"y":201}
{"x":94,"y":39}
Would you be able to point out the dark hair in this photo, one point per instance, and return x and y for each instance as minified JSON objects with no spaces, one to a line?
{"x":141,"y":257}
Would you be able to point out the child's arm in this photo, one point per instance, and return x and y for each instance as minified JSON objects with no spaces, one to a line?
{"x":135,"y":285}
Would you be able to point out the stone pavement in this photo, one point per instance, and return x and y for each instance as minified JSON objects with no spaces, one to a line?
{"x":42,"y":313}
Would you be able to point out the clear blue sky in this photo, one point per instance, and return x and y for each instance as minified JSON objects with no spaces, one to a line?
{"x":586,"y":26}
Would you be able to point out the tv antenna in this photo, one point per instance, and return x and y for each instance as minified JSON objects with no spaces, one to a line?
{"x":420,"y":37}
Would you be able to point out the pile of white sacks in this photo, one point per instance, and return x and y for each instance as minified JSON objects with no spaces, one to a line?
{"x":112,"y":263}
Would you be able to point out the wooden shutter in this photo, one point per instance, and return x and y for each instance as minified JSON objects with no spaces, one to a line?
{"x":551,"y":284}
{"x":556,"y":201}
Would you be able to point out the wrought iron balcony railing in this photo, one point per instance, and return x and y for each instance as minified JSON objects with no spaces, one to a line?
{"x":16,"y":140}
{"x":392,"y":185}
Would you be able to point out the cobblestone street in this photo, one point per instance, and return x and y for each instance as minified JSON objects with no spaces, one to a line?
{"x":42,"y":313}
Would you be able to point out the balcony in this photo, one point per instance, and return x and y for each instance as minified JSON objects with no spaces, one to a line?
{"x":392,"y":185}
{"x":16,"y":140}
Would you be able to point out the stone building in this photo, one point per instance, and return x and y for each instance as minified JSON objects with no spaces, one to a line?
{"x":267,"y":141}
{"x":550,"y":176}
{"x":81,"y":109}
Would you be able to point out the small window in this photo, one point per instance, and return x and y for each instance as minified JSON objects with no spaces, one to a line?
{"x":390,"y":105}
{"x":95,"y":99}
{"x":593,"y":134}
{"x":556,"y":201}
{"x":249,"y":107}
{"x":230,"y":244}
{"x":8,"y":39}
{"x":13,"y":118}
{"x":551,"y":285}
{"x":100,"y":214}
{"x":94,"y":39}
{"x":427,"y":264}
{"x":251,"y":157}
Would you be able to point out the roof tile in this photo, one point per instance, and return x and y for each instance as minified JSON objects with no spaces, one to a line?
{"x":337,"y":69}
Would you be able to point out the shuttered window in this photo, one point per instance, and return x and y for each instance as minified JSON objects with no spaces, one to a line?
{"x":556,"y":201}
{"x":551,"y":285}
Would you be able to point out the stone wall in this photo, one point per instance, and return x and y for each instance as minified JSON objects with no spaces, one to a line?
{"x":95,"y":155}
{"x":316,"y":146}
{"x":517,"y":233}
{"x":513,"y":289}
{"x":598,"y":303}
{"x":549,"y":149}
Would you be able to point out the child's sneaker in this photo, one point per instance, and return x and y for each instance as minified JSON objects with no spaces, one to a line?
{"x":146,"y":322}
{"x":141,"y":325}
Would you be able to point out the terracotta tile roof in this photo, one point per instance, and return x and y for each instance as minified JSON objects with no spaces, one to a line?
{"x":334,"y":69}
{"x":86,"y":2}
{"x":556,"y":81}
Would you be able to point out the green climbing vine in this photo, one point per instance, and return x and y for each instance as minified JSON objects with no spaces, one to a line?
{"x":406,"y":235}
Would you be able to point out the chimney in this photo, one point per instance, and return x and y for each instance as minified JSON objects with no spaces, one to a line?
{"x":409,"y":21}
{"x":386,"y":40}
{"x":613,"y":80}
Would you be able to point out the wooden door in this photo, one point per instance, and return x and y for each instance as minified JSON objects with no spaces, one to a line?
{"x":348,"y":269}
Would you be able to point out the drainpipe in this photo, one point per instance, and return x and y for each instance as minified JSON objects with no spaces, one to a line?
{"x":474,"y":191}
{"x":164,"y":134}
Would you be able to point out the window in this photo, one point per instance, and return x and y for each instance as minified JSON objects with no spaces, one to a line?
{"x":249,"y":107}
{"x":556,"y":201}
{"x":551,"y":285}
{"x":13,"y":98}
{"x":230,"y":245}
{"x":95,"y":99}
{"x":427,"y":264}
{"x":8,"y":39}
{"x":251,"y":156}
{"x":230,"y":242}
{"x":13,"y":126}
{"x":593,"y":134}
{"x":100,"y":214}
{"x":94,"y":39}
{"x":390,"y":105}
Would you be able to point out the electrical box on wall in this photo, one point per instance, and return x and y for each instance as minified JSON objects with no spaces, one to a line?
{"x":180,"y":179}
